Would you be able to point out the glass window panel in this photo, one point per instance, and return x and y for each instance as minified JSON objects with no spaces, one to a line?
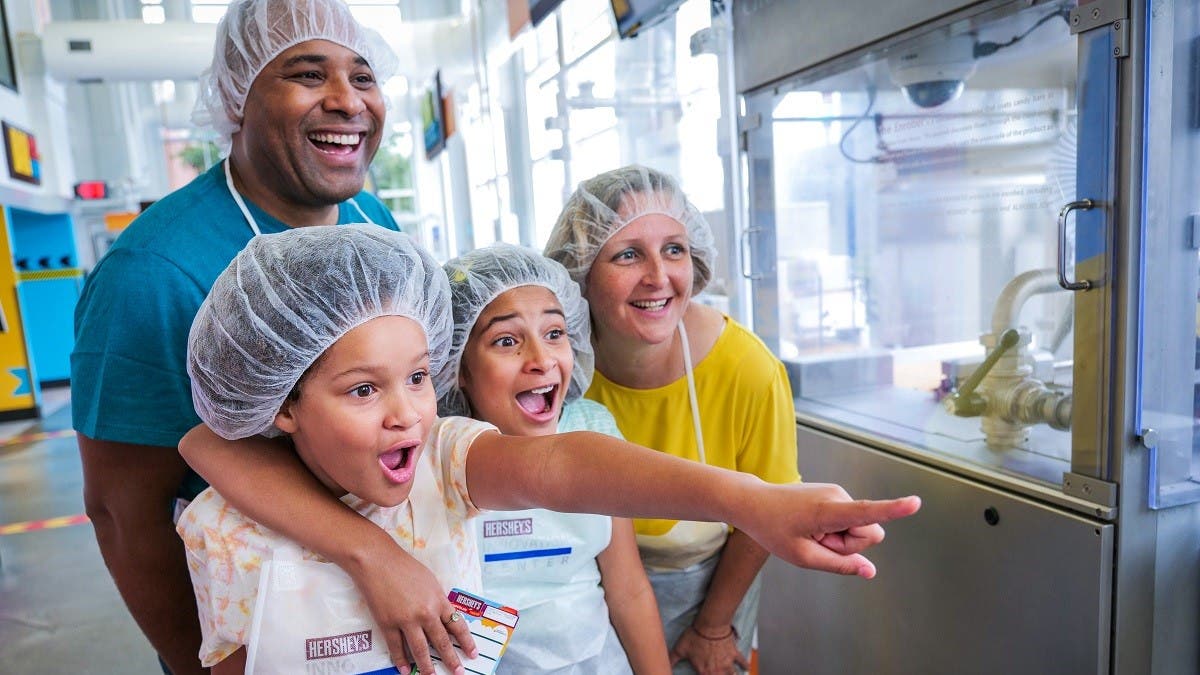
{"x":484,"y":213}
{"x":477,"y":138}
{"x":495,"y":121}
{"x":700,"y":167}
{"x":914,"y":226}
{"x":542,"y":106}
{"x":596,"y":74}
{"x":544,"y":45}
{"x":697,"y":77}
{"x":1170,"y":302}
{"x":587,"y":122}
{"x":153,"y":14}
{"x":545,"y":72}
{"x":529,"y":56}
{"x":547,"y":202}
{"x":382,"y":19}
{"x":207,"y":14}
{"x":379,"y":14}
{"x":597,"y":154}
{"x":510,"y":227}
{"x":586,"y":23}
{"x":624,"y":104}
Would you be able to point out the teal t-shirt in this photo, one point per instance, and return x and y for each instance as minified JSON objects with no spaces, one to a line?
{"x":586,"y":415}
{"x":129,"y":380}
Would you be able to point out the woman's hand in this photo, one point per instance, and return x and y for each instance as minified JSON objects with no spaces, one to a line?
{"x":818,"y":525}
{"x":710,"y":655}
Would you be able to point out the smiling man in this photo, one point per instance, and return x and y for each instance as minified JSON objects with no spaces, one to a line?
{"x":294,"y":93}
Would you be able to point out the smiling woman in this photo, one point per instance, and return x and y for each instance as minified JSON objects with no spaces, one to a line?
{"x":645,"y":273}
{"x":667,"y":366}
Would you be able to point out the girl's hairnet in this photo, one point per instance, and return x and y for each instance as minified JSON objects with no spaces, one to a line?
{"x":288,"y":297}
{"x":253,"y":32}
{"x":479,"y":277}
{"x":602,"y":205}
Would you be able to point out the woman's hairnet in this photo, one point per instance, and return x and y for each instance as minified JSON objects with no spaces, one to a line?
{"x":479,"y":277}
{"x":602,"y":205}
{"x":288,"y":297}
{"x":253,"y":32}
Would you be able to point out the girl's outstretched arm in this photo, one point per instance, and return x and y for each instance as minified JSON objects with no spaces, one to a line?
{"x":265,"y":480}
{"x":632,"y":609}
{"x":811,"y":525}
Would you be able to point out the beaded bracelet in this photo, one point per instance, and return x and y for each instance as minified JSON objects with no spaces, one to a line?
{"x":732,"y":633}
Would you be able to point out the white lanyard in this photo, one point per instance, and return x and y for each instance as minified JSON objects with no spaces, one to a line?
{"x":237,"y":198}
{"x":691,"y":380}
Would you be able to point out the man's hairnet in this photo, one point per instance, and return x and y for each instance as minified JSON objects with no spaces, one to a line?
{"x":288,"y":297}
{"x":602,"y":205}
{"x":253,"y":32}
{"x":479,"y":277}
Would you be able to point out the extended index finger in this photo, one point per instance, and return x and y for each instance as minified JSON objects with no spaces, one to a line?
{"x":839,"y":516}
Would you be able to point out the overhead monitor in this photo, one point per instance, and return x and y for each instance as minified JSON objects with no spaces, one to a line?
{"x":634,"y":16}
{"x":8,"y":71}
{"x":540,"y":9}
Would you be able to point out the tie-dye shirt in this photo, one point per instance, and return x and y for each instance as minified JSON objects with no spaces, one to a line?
{"x":226,"y":550}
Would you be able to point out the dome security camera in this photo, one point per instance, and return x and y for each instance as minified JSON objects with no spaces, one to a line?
{"x":933,"y":72}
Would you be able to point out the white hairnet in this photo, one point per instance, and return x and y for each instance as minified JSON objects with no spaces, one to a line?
{"x":602,"y":205}
{"x":479,"y":277}
{"x":288,"y":297}
{"x":253,"y":32}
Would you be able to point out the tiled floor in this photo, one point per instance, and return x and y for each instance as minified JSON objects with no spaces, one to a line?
{"x":59,"y":610}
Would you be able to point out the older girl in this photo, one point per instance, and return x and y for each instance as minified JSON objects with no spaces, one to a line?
{"x":521,"y":358}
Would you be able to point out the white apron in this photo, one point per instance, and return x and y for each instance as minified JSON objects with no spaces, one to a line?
{"x":544,"y":564}
{"x":309,"y":616}
{"x":680,"y":562}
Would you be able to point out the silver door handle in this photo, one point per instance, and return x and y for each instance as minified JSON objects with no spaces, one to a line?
{"x":747,"y":260}
{"x":1077,"y":285}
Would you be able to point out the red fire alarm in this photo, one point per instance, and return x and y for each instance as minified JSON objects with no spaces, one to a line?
{"x":91,"y":189}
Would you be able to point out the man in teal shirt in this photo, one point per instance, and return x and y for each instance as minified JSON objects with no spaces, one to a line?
{"x":294,"y":92}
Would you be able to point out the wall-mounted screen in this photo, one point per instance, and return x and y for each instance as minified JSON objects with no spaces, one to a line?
{"x":540,"y":9}
{"x":634,"y":16}
{"x":433,"y":118}
{"x":8,"y":70}
{"x":20,"y":149}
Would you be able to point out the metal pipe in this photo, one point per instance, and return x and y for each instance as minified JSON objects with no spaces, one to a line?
{"x":1025,"y":285}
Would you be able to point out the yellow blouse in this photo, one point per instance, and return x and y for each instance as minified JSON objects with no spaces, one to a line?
{"x":746,"y":411}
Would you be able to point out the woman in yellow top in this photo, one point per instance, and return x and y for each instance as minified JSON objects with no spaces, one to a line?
{"x":684,"y":379}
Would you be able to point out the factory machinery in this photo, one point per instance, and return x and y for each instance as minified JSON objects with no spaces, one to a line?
{"x":970,"y":235}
